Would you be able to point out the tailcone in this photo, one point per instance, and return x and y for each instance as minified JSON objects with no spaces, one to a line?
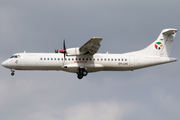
{"x":168,"y":60}
{"x":173,"y":59}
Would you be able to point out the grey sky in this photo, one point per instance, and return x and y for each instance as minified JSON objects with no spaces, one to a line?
{"x":41,"y":26}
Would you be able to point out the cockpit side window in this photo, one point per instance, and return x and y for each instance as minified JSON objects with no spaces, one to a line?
{"x":15,"y":56}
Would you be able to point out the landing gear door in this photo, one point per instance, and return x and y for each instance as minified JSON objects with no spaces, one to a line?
{"x":131,"y":60}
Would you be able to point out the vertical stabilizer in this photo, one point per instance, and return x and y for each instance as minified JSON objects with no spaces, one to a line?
{"x":162,"y":46}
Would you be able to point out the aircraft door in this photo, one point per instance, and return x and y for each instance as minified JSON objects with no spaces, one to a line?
{"x":131,"y":60}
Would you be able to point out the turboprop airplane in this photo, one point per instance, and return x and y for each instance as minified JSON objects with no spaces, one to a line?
{"x":84,"y":60}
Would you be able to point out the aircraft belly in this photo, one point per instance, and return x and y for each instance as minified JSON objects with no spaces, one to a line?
{"x":95,"y":67}
{"x":117,"y":66}
{"x":38,"y":68}
{"x":74,"y":68}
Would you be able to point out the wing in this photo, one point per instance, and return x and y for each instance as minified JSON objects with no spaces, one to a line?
{"x":91,"y":47}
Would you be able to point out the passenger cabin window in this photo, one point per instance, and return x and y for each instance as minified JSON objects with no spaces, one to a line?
{"x":40,"y":58}
{"x":54,"y":58}
{"x":125,"y":59}
{"x":44,"y":58}
{"x":47,"y":58}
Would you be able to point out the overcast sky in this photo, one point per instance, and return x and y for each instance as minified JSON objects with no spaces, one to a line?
{"x":125,"y":25}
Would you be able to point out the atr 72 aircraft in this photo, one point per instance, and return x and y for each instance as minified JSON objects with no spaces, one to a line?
{"x":84,"y":60}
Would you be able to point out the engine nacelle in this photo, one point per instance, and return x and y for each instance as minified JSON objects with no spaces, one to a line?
{"x":73,"y":52}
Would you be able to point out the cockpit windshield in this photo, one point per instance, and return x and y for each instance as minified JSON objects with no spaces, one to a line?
{"x":15,"y":56}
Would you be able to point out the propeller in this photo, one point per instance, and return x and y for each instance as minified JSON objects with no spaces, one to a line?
{"x":64,"y":49}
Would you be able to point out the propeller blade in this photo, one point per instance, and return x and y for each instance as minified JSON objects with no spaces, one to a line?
{"x":64,"y":50}
{"x":64,"y":46}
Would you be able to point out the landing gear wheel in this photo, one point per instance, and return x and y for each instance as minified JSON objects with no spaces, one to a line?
{"x":12,"y":73}
{"x":80,"y":76}
{"x":85,"y":73}
{"x":82,"y":72}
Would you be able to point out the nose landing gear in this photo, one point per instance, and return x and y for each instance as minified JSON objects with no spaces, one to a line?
{"x":12,"y":72}
{"x":82,"y":72}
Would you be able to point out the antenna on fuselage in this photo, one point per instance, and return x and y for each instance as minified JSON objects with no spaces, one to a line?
{"x":56,"y":51}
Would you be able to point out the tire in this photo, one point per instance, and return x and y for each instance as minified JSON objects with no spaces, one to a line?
{"x":80,"y":76}
{"x":12,"y":73}
{"x":85,"y":73}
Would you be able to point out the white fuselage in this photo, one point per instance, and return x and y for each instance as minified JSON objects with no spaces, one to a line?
{"x":97,"y":62}
{"x":84,"y":59}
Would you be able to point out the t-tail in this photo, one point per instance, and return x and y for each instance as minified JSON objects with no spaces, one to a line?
{"x":156,"y":53}
{"x":162,"y":46}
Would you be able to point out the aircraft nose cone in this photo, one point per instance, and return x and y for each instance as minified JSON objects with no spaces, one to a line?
{"x":4,"y":64}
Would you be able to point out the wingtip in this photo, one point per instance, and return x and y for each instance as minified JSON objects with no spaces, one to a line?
{"x":96,"y":38}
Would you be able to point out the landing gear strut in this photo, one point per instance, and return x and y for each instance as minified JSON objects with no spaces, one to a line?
{"x":82,"y":72}
{"x":12,"y":72}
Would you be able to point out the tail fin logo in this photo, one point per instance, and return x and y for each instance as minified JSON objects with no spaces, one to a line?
{"x":158,"y":45}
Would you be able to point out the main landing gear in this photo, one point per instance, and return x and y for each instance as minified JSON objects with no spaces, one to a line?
{"x":12,"y":72}
{"x":82,"y":72}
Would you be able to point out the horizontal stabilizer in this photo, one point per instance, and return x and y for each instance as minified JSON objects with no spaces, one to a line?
{"x":169,"y":31}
